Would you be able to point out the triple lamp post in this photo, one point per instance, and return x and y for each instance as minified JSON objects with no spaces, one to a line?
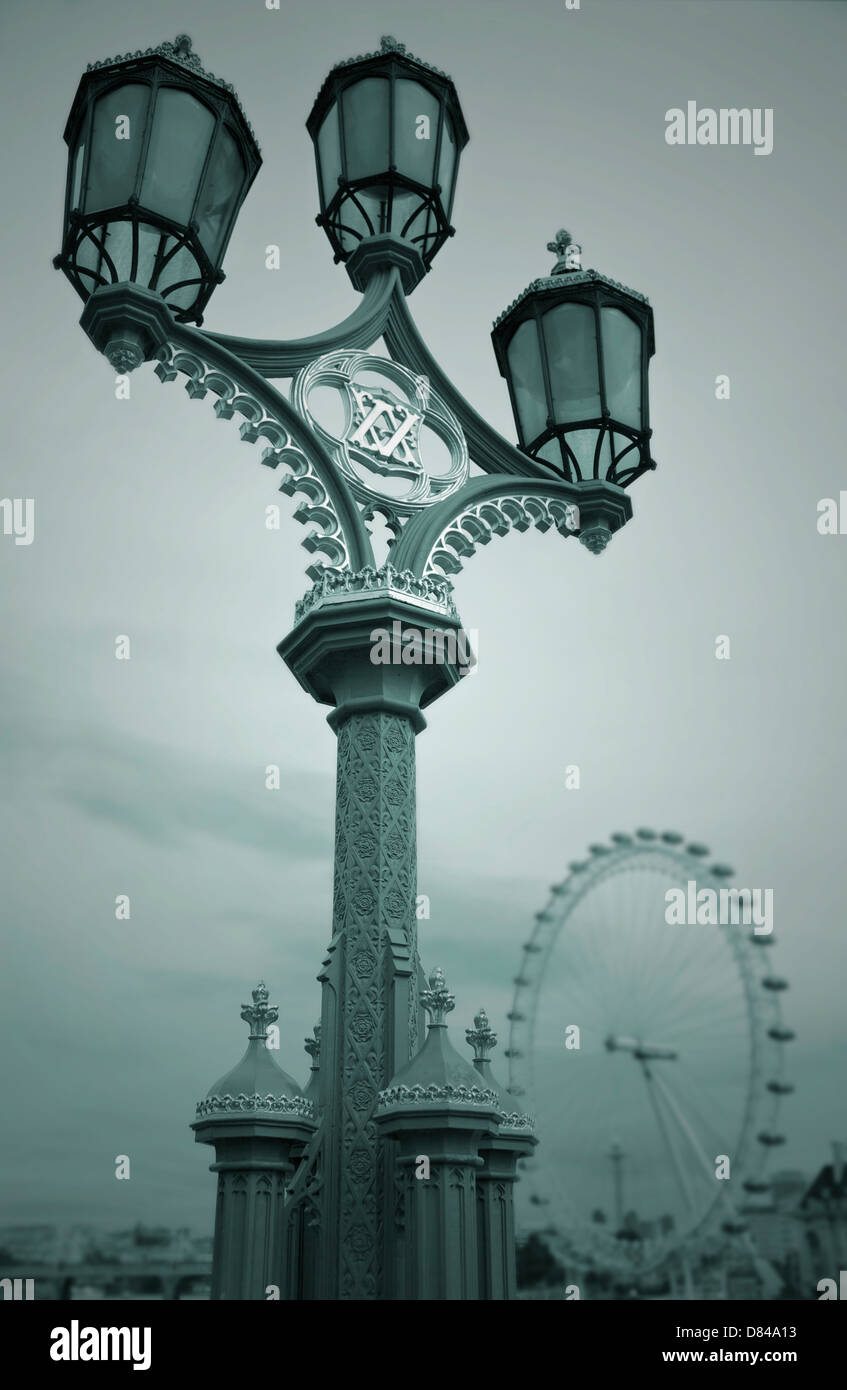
{"x":391,"y":1175}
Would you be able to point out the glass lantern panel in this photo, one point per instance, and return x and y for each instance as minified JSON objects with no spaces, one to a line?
{"x":622,"y":365}
{"x":118,"y":244}
{"x":415,"y":130}
{"x":151,"y":245}
{"x":421,"y":229}
{"x":626,"y":455}
{"x":365,"y":111}
{"x":525,"y":374}
{"x":87,"y":257}
{"x":375,"y":203}
{"x":116,"y":140}
{"x":76,"y":186}
{"x":404,"y":209}
{"x":447,"y":164}
{"x":605,"y":462}
{"x":570,"y":342}
{"x":584,"y":443}
{"x":551,"y":453}
{"x":181,"y":266}
{"x":179,"y":143}
{"x":224,"y":179}
{"x":351,"y":224}
{"x":329,"y":154}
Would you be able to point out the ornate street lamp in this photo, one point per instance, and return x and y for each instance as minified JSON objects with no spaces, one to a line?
{"x":574,"y":349}
{"x":144,"y":239}
{"x":388,"y":131}
{"x":160,"y":159}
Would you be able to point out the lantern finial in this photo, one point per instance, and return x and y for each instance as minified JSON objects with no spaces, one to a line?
{"x":480,"y":1037}
{"x":259,"y":1014}
{"x":313,"y":1045}
{"x":568,"y":251}
{"x":437,"y":1000}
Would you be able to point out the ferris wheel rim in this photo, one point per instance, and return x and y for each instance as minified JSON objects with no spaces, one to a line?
{"x":642,"y":851}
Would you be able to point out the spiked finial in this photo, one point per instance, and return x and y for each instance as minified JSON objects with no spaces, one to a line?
{"x":437,"y":1000}
{"x":313,"y":1045}
{"x":568,"y":251}
{"x":480,"y":1037}
{"x":259,"y":1014}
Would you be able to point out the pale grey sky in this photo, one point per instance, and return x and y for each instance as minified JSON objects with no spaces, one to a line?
{"x":147,"y":776}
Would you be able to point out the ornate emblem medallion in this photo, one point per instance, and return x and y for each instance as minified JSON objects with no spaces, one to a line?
{"x":388,"y":417}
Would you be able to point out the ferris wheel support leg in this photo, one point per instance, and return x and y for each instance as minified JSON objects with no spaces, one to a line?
{"x":679,"y":1171}
{"x":696,"y":1147}
{"x":771,"y":1282}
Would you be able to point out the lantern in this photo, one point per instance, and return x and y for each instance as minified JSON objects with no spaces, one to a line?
{"x":574,"y":349}
{"x":160,"y":159}
{"x":388,"y":131}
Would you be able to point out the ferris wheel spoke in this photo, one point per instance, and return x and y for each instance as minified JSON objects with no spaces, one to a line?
{"x":665,"y":1131}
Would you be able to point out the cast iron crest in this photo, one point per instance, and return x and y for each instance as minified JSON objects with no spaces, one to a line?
{"x":381,"y":435}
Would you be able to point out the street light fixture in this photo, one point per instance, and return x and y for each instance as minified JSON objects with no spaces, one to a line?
{"x":574,"y":349}
{"x":388,"y":131}
{"x":160,"y":160}
{"x":147,"y":223}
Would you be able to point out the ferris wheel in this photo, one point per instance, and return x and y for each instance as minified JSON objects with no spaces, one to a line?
{"x":652,"y":1055}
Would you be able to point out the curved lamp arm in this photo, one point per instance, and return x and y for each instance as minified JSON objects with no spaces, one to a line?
{"x":341,"y":534}
{"x":359,"y":330}
{"x":445,"y":535}
{"x":487,"y":448}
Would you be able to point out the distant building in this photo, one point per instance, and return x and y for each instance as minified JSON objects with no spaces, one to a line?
{"x":743,"y":1282}
{"x":779,"y":1231}
{"x":30,"y":1245}
{"x":823,"y":1209}
{"x":787,"y":1187}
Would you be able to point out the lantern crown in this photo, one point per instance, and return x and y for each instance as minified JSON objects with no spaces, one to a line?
{"x":182,"y":55}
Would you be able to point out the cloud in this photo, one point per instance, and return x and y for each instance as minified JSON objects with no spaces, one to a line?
{"x":160,"y":794}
